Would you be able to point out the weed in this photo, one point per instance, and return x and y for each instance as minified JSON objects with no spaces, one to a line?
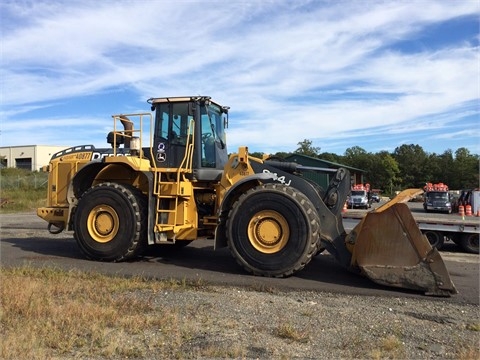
{"x":473,"y":327}
{"x":288,"y":331}
{"x":263,"y":288}
{"x":468,"y":353}
{"x":308,"y":312}
{"x":390,"y":347}
{"x":391,"y":343}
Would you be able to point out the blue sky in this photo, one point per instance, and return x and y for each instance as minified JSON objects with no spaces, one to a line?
{"x":374,"y":74}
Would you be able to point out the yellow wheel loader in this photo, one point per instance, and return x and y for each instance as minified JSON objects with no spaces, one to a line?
{"x":167,"y":179}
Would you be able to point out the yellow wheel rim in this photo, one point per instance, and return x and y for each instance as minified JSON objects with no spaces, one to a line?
{"x":268,"y":231}
{"x":102,"y":223}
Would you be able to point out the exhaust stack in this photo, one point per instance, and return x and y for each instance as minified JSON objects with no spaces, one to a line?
{"x":128,"y":130}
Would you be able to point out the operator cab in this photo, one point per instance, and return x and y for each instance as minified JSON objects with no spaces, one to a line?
{"x":190,"y":130}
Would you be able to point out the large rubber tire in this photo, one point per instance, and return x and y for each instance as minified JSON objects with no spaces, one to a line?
{"x":435,"y":238}
{"x":111,"y":222}
{"x":469,"y":243}
{"x":273,"y":230}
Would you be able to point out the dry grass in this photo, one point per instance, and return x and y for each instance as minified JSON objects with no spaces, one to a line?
{"x":290,"y":332}
{"x":473,"y":327}
{"x":53,"y":314}
{"x":389,"y":347}
{"x":469,"y":353}
{"x":48,"y":313}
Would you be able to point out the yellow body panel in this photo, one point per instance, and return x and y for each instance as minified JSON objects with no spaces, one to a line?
{"x":386,"y":246}
{"x":136,"y":163}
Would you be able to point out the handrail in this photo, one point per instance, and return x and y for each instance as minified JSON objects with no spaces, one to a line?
{"x":129,"y":133}
{"x":188,"y":157}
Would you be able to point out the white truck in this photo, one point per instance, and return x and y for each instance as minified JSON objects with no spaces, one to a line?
{"x":359,"y":197}
{"x":437,"y":198}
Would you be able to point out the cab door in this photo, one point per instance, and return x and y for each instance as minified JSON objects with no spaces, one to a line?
{"x":172,"y":121}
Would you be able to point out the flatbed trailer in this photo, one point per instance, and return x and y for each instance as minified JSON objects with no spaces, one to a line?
{"x":438,"y":228}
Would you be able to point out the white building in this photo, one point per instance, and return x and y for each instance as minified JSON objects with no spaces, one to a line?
{"x":31,"y":157}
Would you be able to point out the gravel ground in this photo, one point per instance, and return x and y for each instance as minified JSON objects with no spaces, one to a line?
{"x":220,"y":322}
{"x":216,"y":322}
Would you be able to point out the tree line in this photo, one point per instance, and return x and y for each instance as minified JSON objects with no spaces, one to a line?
{"x":408,"y":166}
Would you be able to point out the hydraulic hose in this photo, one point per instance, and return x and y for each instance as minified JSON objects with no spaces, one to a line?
{"x":58,"y":230}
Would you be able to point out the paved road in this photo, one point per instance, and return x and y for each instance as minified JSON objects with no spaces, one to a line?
{"x":25,"y":240}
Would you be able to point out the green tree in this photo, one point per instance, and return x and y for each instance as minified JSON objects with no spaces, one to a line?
{"x":412,"y":160}
{"x":384,"y":173}
{"x":306,"y":147}
{"x":331,"y":157}
{"x":359,"y":158}
{"x":256,"y":154}
{"x":281,"y":154}
{"x":466,"y":169}
{"x":408,"y":166}
{"x":442,"y":168}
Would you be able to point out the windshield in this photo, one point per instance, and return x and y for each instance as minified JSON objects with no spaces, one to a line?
{"x":212,"y":123}
{"x":212,"y":133}
{"x":358,"y":193}
{"x":438,"y":195}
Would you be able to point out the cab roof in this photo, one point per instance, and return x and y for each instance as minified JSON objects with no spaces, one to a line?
{"x":180,"y":99}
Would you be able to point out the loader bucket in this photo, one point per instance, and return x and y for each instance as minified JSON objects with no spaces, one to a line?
{"x":388,"y":248}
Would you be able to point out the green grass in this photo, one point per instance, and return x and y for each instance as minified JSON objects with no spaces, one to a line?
{"x":22,"y":190}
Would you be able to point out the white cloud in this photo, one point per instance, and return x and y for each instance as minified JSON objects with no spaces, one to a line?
{"x":304,"y":70}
